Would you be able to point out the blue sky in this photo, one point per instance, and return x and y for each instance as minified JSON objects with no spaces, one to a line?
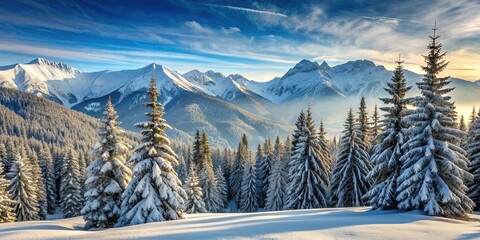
{"x":259,"y":39}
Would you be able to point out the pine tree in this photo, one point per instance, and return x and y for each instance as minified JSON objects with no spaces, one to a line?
{"x":324,"y":147}
{"x":222,"y":187}
{"x":71,"y":200}
{"x":297,"y":132}
{"x":46,"y":163}
{"x":155,"y":193}
{"x":349,"y":176}
{"x":277,"y":179}
{"x":39,"y":185}
{"x":194,"y":202}
{"x":462,"y":126}
{"x":388,"y":149}
{"x":7,"y":210}
{"x":197,"y":151}
{"x":211,"y":194}
{"x":364,"y":125}
{"x":434,"y":168}
{"x":107,"y":174}
{"x":263,"y":172}
{"x":473,"y":118}
{"x":22,"y":190}
{"x":473,"y":155}
{"x":376,"y":128}
{"x":308,"y":170}
{"x":249,"y":198}
{"x":259,"y":156}
{"x":236,"y":177}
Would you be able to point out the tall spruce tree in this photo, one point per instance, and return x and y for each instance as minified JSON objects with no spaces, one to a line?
{"x":473,"y":117}
{"x":277,"y":179}
{"x":364,"y":125}
{"x":71,"y":200}
{"x":308,"y":170}
{"x":249,"y":198}
{"x":39,"y":184}
{"x":222,"y":187}
{"x":473,"y":155}
{"x":263,"y":172}
{"x":155,"y":193}
{"x":22,"y":189}
{"x":197,"y":151}
{"x":388,"y":149}
{"x":194,"y":202}
{"x":349,"y":176}
{"x":434,"y":168}
{"x":46,"y":163}
{"x":7,"y":210}
{"x":107,"y":174}
{"x":236,"y":177}
{"x":376,"y":125}
{"x":259,"y":156}
{"x":324,"y":147}
{"x":208,"y":181}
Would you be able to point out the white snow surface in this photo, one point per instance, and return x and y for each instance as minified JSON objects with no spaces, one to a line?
{"x":333,"y":223}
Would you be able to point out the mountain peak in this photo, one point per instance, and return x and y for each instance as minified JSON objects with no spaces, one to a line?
{"x":302,"y":66}
{"x":214,"y":75}
{"x":44,"y":62}
{"x":325,"y":65}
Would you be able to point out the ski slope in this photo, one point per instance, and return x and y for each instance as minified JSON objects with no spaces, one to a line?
{"x":339,"y":223}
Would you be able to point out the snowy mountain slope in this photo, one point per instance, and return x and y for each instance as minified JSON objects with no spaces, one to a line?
{"x":333,"y":223}
{"x":306,"y":80}
{"x":230,"y":89}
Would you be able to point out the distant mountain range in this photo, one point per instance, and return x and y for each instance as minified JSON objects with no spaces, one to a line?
{"x":224,"y":106}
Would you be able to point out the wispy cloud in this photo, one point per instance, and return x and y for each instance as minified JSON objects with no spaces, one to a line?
{"x":247,"y":10}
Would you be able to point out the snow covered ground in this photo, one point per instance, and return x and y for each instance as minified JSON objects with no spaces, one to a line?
{"x":346,"y":223}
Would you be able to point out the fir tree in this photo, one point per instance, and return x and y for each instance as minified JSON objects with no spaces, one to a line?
{"x":462,"y":126}
{"x":473,"y":118}
{"x":107,"y":174}
{"x":39,"y":185}
{"x":277,"y":179}
{"x":263,"y":172}
{"x":7,"y":210}
{"x":376,"y":128}
{"x":259,"y":156}
{"x":197,"y":151}
{"x":46,"y":163}
{"x":434,"y":168}
{"x":473,"y":155}
{"x":208,"y":181}
{"x":308,"y":170}
{"x":241,"y":158}
{"x":222,"y":187}
{"x":194,"y":202}
{"x":349,"y":176}
{"x":387,"y":151}
{"x":249,"y":200}
{"x":364,"y":125}
{"x":324,"y":147}
{"x":22,"y":190}
{"x":71,"y":200}
{"x":155,"y":193}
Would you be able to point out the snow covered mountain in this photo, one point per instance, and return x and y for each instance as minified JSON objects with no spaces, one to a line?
{"x":194,"y":99}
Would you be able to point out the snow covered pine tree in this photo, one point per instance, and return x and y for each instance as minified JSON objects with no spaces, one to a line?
{"x":155,"y":193}
{"x":308,"y":173}
{"x":7,"y":212}
{"x":107,"y":174}
{"x":22,"y":190}
{"x":349,"y":176}
{"x":387,"y":151}
{"x":277,"y":179}
{"x":194,"y":202}
{"x":434,"y":167}
{"x":71,"y":200}
{"x":249,"y":198}
{"x":473,"y":155}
